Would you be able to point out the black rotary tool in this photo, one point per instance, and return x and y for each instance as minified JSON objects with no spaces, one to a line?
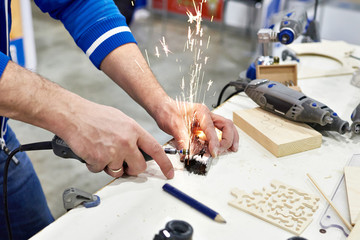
{"x":61,"y":149}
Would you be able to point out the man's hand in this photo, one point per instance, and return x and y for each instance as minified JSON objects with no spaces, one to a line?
{"x":126,"y":66}
{"x":175,"y":118}
{"x":106,"y":138}
{"x":103,"y":136}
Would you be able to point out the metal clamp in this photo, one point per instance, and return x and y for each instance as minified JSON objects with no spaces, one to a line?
{"x":73,"y":197}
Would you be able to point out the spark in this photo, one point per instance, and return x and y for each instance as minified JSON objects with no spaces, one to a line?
{"x":139,"y":65}
{"x":197,"y":17}
{"x":207,"y":45}
{"x":198,"y":55}
{"x":132,"y":3}
{"x":165,"y":47}
{"x":209,"y":84}
{"x":212,"y":18}
{"x":206,"y":59}
{"x":189,"y":33}
{"x":157,"y":52}
{"x":147,"y":57}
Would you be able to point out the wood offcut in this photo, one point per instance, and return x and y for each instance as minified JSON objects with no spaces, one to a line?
{"x":278,"y":135}
{"x":352,"y":180}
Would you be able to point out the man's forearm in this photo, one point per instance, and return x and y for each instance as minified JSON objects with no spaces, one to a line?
{"x":127,"y":67}
{"x":28,"y":97}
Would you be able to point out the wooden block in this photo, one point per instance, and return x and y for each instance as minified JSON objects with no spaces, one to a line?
{"x":283,"y":73}
{"x":355,"y":232}
{"x":281,"y":205}
{"x":278,"y":135}
{"x":352,"y":180}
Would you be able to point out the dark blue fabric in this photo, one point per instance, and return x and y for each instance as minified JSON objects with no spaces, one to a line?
{"x":28,"y":209}
{"x":3,"y":34}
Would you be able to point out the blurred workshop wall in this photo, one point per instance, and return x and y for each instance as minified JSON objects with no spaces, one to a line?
{"x":338,"y":21}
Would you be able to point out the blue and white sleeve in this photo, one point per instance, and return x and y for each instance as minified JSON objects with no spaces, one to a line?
{"x":3,"y":62}
{"x":97,"y":26}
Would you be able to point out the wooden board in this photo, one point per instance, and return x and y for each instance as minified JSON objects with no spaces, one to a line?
{"x":281,"y":205}
{"x":278,"y":135}
{"x":352,"y":180}
{"x":335,"y":50}
{"x":355,"y":232}
{"x":283,"y":73}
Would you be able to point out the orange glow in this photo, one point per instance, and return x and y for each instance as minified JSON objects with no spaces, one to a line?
{"x":201,"y":135}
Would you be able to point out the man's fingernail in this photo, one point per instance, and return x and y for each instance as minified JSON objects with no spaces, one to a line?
{"x":236,"y":146}
{"x":170,"y":174}
{"x":215,"y":152}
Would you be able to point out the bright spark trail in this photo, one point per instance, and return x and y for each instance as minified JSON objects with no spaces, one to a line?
{"x":192,"y":87}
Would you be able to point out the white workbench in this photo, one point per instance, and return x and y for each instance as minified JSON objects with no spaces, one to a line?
{"x":137,"y":207}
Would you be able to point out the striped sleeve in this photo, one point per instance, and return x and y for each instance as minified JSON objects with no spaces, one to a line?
{"x":4,"y":59}
{"x":97,"y":26}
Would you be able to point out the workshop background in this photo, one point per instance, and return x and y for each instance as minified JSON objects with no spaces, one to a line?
{"x":232,"y":48}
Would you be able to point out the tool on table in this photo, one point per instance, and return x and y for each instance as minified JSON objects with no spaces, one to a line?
{"x":175,"y":230}
{"x":277,"y":98}
{"x":73,"y":197}
{"x":289,"y":103}
{"x":193,"y":203}
{"x":347,"y":224}
{"x":355,"y":117}
{"x":291,"y":27}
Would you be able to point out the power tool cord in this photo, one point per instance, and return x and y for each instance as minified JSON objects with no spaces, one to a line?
{"x":21,"y":148}
{"x":221,"y":95}
{"x":239,"y":85}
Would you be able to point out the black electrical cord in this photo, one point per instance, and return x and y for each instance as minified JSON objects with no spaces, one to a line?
{"x":221,"y":95}
{"x":233,"y":94}
{"x":239,"y":85}
{"x":21,"y":148}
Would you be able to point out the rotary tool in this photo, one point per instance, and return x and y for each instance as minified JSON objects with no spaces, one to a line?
{"x":292,"y":26}
{"x":355,"y":117}
{"x":61,"y":149}
{"x":281,"y":100}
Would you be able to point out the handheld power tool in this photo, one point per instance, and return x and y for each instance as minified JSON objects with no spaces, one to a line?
{"x":291,"y":104}
{"x":291,"y":27}
{"x":61,"y":149}
{"x":277,"y":98}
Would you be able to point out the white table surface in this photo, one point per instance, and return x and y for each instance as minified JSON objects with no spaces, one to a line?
{"x":137,"y":207}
